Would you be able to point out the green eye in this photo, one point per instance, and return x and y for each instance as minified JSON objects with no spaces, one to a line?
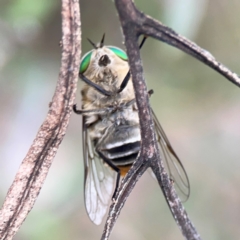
{"x":119,"y":52}
{"x":85,"y":62}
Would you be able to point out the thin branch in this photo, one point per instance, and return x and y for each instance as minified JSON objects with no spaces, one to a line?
{"x":35,"y":166}
{"x":135,"y":23}
{"x":125,"y":189}
{"x":180,"y":215}
{"x":155,"y":29}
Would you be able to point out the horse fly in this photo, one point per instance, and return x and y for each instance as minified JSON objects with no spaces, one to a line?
{"x":111,"y":131}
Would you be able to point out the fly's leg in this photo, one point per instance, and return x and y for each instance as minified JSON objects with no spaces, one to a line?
{"x":150,"y":92}
{"x":92,"y":111}
{"x":77,"y":111}
{"x":95,"y":86}
{"x":127,"y":77}
{"x":124,"y":82}
{"x":115,"y":168}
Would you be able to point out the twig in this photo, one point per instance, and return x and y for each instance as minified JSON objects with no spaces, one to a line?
{"x":135,"y":23}
{"x":155,"y":29}
{"x":34,"y":168}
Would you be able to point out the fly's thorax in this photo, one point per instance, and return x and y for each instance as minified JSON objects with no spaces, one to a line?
{"x":92,"y":99}
{"x":127,"y":116}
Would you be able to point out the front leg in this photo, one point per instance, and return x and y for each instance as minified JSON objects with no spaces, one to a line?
{"x":100,"y":111}
{"x":77,"y":111}
{"x":127,"y":77}
{"x":96,"y":86}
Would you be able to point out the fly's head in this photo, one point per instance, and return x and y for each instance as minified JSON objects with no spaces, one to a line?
{"x":105,"y":65}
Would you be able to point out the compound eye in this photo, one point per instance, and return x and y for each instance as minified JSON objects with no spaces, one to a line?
{"x":119,"y":52}
{"x":85,"y":62}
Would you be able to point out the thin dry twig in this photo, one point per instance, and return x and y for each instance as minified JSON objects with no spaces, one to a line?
{"x":35,"y":166}
{"x":135,"y":23}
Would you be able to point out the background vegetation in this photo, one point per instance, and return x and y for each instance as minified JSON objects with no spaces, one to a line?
{"x":197,"y":107}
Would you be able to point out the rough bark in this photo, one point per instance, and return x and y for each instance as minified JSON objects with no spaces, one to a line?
{"x":35,"y":166}
{"x":134,"y":23}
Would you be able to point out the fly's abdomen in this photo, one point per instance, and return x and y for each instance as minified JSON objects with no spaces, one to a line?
{"x":120,"y":144}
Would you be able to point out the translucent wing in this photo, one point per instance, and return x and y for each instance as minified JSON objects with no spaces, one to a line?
{"x":173,"y":164}
{"x":99,"y":180}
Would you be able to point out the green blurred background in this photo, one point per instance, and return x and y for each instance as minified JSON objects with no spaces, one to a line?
{"x":198,"y":108}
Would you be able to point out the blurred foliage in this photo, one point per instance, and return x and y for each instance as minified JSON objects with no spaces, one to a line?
{"x":197,"y":107}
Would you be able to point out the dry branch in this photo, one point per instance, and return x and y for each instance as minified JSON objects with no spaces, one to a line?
{"x":35,"y":166}
{"x":134,"y":23}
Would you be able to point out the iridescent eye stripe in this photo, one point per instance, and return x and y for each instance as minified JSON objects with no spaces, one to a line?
{"x":119,"y":52}
{"x":85,"y":62}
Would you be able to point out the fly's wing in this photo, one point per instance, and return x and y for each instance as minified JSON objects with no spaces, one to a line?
{"x":173,"y":164}
{"x":99,"y":180}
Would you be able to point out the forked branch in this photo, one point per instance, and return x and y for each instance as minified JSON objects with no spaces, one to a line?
{"x":134,"y":23}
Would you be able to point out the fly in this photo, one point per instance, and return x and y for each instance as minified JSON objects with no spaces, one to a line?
{"x":111,"y":131}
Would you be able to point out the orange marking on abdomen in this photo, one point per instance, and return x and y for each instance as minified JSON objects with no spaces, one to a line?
{"x":124,"y":169}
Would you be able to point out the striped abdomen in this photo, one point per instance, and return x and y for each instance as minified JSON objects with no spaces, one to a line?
{"x":120,"y":145}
